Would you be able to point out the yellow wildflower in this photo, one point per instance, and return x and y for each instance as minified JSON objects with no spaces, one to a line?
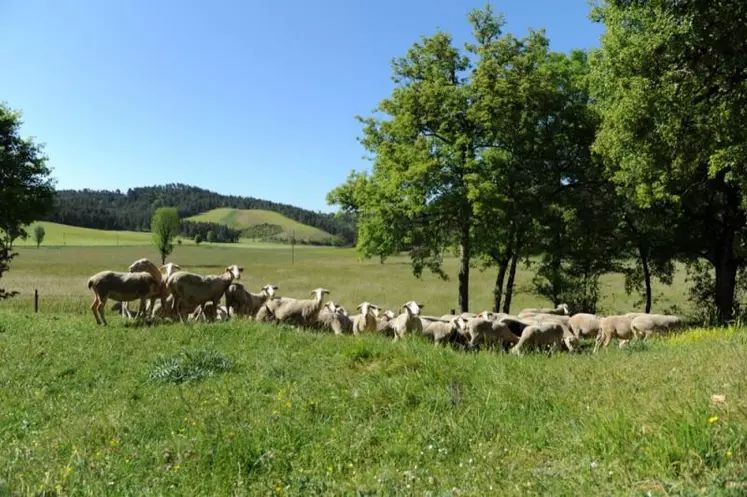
{"x":713,"y":419}
{"x":728,"y":453}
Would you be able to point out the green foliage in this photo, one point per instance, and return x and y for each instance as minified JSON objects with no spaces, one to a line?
{"x":211,"y":236}
{"x":26,"y":189}
{"x":165,"y":227}
{"x":264,"y":231}
{"x":190,"y":365}
{"x":198,"y":239}
{"x":39,"y":233}
{"x":669,"y":84}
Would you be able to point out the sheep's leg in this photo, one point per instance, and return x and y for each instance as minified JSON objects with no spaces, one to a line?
{"x":100,"y":308}
{"x":94,"y":307}
{"x":568,"y":344}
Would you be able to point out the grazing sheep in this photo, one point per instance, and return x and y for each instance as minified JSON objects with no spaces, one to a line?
{"x":333,"y":318}
{"x":143,"y":281}
{"x":569,"y":339}
{"x":366,"y":320}
{"x":560,"y":310}
{"x":613,"y":327}
{"x":584,"y":325}
{"x":245,"y":303}
{"x":515,"y":325}
{"x":442,"y":330}
{"x":302,"y":312}
{"x":407,"y":321}
{"x":383,"y":323}
{"x":488,"y":332}
{"x":540,"y":334}
{"x":645,"y":325}
{"x":194,"y":289}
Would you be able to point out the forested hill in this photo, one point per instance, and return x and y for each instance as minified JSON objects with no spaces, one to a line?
{"x":133,"y":209}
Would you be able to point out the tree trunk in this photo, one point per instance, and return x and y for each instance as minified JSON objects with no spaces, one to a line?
{"x":510,"y":284}
{"x":163,"y":258}
{"x":464,"y":270}
{"x":646,"y":277}
{"x":726,"y":278}
{"x":498,"y":289}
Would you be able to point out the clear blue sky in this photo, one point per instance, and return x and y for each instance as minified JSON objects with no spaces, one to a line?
{"x":240,"y":97}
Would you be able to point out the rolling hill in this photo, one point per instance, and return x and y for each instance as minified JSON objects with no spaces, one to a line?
{"x":247,"y":219}
{"x":62,"y":234}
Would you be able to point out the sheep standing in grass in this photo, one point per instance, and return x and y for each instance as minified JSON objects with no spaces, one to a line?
{"x":540,"y":334}
{"x":441,"y":330}
{"x":143,"y":281}
{"x":488,"y":332}
{"x":407,"y":321}
{"x":334,"y":318}
{"x":613,"y":327}
{"x":560,"y":310}
{"x":584,"y":325}
{"x":383,"y":323}
{"x":302,"y":312}
{"x":194,"y":289}
{"x":245,"y":303}
{"x":366,"y":320}
{"x":645,"y":325}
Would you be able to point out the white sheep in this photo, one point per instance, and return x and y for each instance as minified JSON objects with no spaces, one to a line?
{"x":334,"y":318}
{"x":584,"y":325}
{"x":560,"y":310}
{"x":245,"y":303}
{"x":302,"y":312}
{"x":190,"y":288}
{"x":143,"y":281}
{"x":614,"y":327}
{"x":645,"y":325}
{"x":383,"y":323}
{"x":366,"y":320}
{"x":441,"y":330}
{"x":540,"y":334}
{"x":488,"y":332}
{"x":407,"y":321}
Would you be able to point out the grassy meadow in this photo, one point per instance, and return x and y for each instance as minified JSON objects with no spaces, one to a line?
{"x":241,"y":219}
{"x":240,"y":408}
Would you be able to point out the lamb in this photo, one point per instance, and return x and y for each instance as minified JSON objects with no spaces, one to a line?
{"x":334,"y":318}
{"x":488,"y":332}
{"x":540,"y":334}
{"x":190,"y":288}
{"x":569,"y":339}
{"x":383,"y":323}
{"x":441,"y":330}
{"x":407,"y":321}
{"x":584,"y":325}
{"x":645,"y":325}
{"x":143,"y":281}
{"x":613,"y":327}
{"x":302,"y":312}
{"x":560,"y":310}
{"x":246,"y":303}
{"x":366,"y":320}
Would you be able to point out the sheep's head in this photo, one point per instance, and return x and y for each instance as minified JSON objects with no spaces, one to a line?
{"x":460,"y":322}
{"x":412,"y":307}
{"x":564,"y":308}
{"x":368,"y":309}
{"x":169,"y":267}
{"x":330,"y":306}
{"x":389,"y":315}
{"x":142,"y":265}
{"x":487,"y":315}
{"x":341,"y":310}
{"x":319,"y":293}
{"x":269,"y":290}
{"x":235,"y":271}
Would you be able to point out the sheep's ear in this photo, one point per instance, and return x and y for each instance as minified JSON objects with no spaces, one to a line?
{"x":274,"y":287}
{"x":241,"y":269}
{"x":420,"y":305}
{"x":358,"y":306}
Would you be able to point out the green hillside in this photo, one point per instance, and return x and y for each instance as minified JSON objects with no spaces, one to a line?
{"x":246,"y":219}
{"x":62,"y":234}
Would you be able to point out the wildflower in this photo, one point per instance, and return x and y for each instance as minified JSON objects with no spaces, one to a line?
{"x":58,"y":487}
{"x":177,"y":467}
{"x":728,"y":453}
{"x":288,"y":404}
{"x":67,"y":472}
{"x":713,"y":419}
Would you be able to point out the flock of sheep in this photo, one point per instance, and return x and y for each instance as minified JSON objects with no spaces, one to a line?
{"x":169,"y":292}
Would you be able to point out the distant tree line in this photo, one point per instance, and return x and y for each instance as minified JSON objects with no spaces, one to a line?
{"x":132,"y":210}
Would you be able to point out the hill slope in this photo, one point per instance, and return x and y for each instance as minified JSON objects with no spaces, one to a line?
{"x":245,"y":219}
{"x":132,"y":210}
{"x":62,"y":234}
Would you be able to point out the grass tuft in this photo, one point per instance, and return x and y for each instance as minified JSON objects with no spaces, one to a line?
{"x":190,"y":366}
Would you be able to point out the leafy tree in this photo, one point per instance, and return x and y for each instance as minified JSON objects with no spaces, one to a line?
{"x":211,"y":236}
{"x":165,"y":227}
{"x":670,"y":86}
{"x":198,"y":239}
{"x":39,"y":233}
{"x":26,"y":189}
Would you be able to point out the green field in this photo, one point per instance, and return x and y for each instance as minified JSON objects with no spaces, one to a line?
{"x":298,"y":413}
{"x":242,"y":219}
{"x":62,"y":234}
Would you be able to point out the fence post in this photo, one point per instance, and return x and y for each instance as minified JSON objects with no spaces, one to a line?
{"x":36,"y":300}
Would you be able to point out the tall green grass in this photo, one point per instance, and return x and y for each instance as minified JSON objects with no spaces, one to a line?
{"x":298,"y":413}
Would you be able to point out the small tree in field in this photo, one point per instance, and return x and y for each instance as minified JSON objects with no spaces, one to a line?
{"x":211,"y":236}
{"x":39,"y":234}
{"x":165,"y":227}
{"x":198,"y":239}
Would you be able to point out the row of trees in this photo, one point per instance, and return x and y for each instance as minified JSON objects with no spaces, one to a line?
{"x":133,"y":210}
{"x":506,"y":149}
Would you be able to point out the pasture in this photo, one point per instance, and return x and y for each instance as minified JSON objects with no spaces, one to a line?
{"x":99,"y":411}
